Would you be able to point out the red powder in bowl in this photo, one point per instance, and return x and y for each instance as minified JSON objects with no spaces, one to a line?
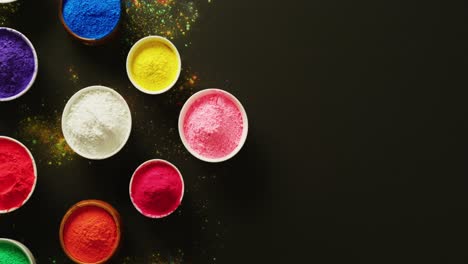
{"x":213,"y":125}
{"x":90,"y":234}
{"x":156,"y":188}
{"x":17,"y":174}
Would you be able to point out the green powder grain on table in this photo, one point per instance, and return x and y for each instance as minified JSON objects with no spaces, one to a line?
{"x":10,"y":254}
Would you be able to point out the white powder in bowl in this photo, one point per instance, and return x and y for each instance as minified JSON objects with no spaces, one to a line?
{"x":96,"y":122}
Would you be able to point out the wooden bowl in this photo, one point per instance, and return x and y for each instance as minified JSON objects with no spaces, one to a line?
{"x":88,"y":41}
{"x":103,"y":205}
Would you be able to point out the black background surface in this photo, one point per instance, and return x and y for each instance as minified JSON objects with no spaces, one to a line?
{"x":356,"y":150}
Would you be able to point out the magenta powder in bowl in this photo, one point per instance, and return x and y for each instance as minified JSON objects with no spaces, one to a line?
{"x":213,"y":125}
{"x":156,"y":188}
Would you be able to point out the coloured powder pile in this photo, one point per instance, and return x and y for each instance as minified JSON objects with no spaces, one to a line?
{"x":17,"y":63}
{"x":91,"y":19}
{"x":213,"y":125}
{"x":156,"y":189}
{"x":154,"y":66}
{"x":11,"y":254}
{"x":17,"y":175}
{"x":97,"y":124}
{"x":90,"y":234}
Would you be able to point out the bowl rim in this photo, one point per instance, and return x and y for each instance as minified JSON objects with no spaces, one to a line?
{"x":131,"y":54}
{"x":36,"y":64}
{"x":89,"y":41}
{"x":35,"y":175}
{"x":186,"y":107}
{"x":66,"y":109}
{"x":106,"y":207}
{"x":131,"y":183}
{"x":21,"y":246}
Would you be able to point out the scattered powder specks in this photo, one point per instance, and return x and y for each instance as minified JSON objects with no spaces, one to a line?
{"x":172,"y":146}
{"x":73,"y":74}
{"x":158,"y":258}
{"x":168,"y":18}
{"x":44,"y":135}
{"x":7,"y":11}
{"x":162,"y":134}
{"x":186,"y":86}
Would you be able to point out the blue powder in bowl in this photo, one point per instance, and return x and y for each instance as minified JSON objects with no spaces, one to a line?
{"x":91,"y":19}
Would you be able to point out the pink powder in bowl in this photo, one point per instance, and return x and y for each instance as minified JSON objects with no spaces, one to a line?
{"x":213,"y":125}
{"x":156,"y":188}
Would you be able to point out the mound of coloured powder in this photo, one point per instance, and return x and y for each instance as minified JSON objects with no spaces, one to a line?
{"x":90,"y":234}
{"x":97,"y":122}
{"x":17,"y":176}
{"x":92,"y":19}
{"x":17,"y":63}
{"x":156,"y":188}
{"x":213,"y":125}
{"x":154,"y":66}
{"x":10,"y":253}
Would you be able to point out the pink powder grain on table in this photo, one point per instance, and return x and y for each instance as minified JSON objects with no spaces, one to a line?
{"x":213,"y":125}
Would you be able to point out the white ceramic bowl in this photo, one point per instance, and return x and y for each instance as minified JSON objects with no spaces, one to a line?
{"x":35,"y":174}
{"x":131,"y":183}
{"x":66,"y":110}
{"x":131,"y":56}
{"x":22,"y":247}
{"x":36,"y":63}
{"x":187,"y":106}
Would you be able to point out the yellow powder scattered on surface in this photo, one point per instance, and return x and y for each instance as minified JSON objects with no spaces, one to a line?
{"x":155,"y":66}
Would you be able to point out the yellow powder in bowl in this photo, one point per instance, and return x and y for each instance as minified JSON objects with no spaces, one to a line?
{"x":154,"y":66}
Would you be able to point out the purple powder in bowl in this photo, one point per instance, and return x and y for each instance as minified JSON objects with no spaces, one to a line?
{"x":18,"y":64}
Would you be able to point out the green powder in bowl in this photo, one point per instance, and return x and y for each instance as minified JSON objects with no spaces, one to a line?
{"x":12,"y":254}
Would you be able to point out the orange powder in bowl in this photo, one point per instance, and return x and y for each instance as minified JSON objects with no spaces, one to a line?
{"x":90,"y":234}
